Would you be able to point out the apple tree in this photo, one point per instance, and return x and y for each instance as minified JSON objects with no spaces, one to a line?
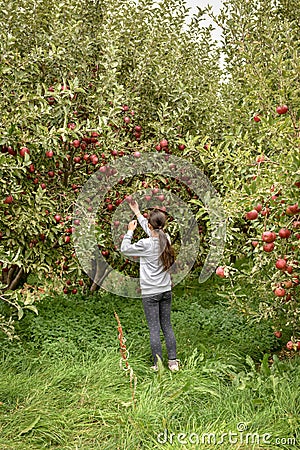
{"x":255,"y":161}
{"x":83,"y":84}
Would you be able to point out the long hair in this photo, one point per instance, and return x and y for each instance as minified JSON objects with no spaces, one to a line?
{"x":167,"y":255}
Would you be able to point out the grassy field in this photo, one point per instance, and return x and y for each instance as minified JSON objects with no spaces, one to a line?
{"x":62,"y":386}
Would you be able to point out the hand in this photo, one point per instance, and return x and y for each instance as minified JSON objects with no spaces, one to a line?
{"x":135,"y":207}
{"x":132,"y":225}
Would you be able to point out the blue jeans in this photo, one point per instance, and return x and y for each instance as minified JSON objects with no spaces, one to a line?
{"x":157,"y":309}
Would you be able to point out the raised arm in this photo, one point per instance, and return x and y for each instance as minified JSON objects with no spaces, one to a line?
{"x":142,"y":220}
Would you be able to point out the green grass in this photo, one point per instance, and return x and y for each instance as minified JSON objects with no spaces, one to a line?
{"x":62,"y":386}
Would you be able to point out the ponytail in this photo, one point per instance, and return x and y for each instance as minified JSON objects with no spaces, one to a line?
{"x":167,"y":255}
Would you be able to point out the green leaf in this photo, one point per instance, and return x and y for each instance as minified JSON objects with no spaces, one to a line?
{"x":32,"y":308}
{"x":20,"y":312}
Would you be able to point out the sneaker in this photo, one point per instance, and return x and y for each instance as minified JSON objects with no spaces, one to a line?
{"x":173,"y":365}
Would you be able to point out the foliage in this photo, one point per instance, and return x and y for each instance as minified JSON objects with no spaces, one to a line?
{"x":93,"y":81}
{"x":256,"y":162}
{"x":71,"y":73}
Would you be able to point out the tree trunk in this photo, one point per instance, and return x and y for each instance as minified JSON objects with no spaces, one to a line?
{"x":100,"y":273}
{"x":13,"y":278}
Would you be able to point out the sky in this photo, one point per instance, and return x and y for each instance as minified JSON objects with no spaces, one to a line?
{"x":216,"y":5}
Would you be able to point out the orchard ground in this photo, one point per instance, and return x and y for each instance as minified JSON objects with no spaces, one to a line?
{"x":63,"y":387}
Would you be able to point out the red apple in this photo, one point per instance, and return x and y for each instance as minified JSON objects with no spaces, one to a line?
{"x":284,"y":233}
{"x":251,"y":215}
{"x":129,"y":198}
{"x":11,"y":151}
{"x":57,"y":218}
{"x":74,"y":291}
{"x":268,"y":247}
{"x":127,"y":120}
{"x":23,"y":151}
{"x":67,"y":239}
{"x":258,"y":207}
{"x":138,"y":128}
{"x":49,"y":154}
{"x":76,"y":143}
{"x":158,"y":148}
{"x":260,"y":159}
{"x":282,"y":109}
{"x":95,"y":160}
{"x":9,"y":200}
{"x":220,"y":272}
{"x":279,"y":292}
{"x":294,"y":209}
{"x":290,"y":345}
{"x":256,"y":119}
{"x":268,"y":236}
{"x":277,"y":334}
{"x":137,"y":154}
{"x":163,"y":143}
{"x":280,"y":264}
{"x":254,"y":243}
{"x":265,"y":212}
{"x":181,"y":147}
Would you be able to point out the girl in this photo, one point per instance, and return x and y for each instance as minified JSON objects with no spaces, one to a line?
{"x":156,"y":257}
